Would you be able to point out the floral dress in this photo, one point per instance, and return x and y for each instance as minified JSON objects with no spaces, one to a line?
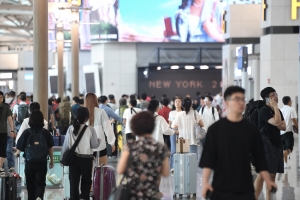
{"x":144,"y":168}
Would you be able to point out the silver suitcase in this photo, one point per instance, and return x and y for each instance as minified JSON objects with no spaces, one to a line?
{"x":185,"y":175}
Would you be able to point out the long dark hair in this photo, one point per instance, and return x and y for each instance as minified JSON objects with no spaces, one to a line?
{"x":187,"y":102}
{"x":152,"y":106}
{"x":81,"y":116}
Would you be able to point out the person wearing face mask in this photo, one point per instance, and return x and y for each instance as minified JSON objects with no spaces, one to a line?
{"x":270,"y":123}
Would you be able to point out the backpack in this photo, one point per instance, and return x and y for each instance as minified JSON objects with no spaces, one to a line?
{"x":64,"y":114}
{"x":252,"y":110}
{"x":212,"y":110}
{"x":22,"y":112}
{"x":36,"y":147}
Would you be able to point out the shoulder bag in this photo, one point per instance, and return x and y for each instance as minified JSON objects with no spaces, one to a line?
{"x":69,"y":155}
{"x":200,"y":133}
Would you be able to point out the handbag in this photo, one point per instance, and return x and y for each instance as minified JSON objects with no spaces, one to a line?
{"x":69,"y":155}
{"x":200,"y":133}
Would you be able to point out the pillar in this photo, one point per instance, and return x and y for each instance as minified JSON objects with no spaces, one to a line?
{"x":60,"y":65}
{"x":40,"y":54}
{"x":75,"y":54}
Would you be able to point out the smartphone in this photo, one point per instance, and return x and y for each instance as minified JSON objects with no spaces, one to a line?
{"x":267,"y":100}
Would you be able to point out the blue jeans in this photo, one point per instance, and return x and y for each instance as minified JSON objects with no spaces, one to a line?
{"x":194,"y":149}
{"x":173,"y":149}
{"x":9,"y":153}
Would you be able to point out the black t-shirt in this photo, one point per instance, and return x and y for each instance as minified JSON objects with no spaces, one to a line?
{"x":266,"y":113}
{"x":227,"y":151}
{"x":22,"y":142}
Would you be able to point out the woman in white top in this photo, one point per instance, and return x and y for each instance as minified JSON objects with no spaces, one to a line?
{"x":161,"y":126}
{"x":100,"y":121}
{"x":172,"y":116}
{"x":185,"y":122}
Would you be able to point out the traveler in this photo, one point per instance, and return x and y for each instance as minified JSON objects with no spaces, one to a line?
{"x":120,"y":111}
{"x":11,"y":100}
{"x":290,"y":117}
{"x":208,"y":114}
{"x":81,"y":168}
{"x":125,"y":96}
{"x":5,"y":114}
{"x":144,"y":103}
{"x":270,"y":122}
{"x":9,"y":149}
{"x":185,"y":122}
{"x":62,"y":114}
{"x":100,"y":121}
{"x":37,"y":149}
{"x":51,"y":120}
{"x":56,"y":102}
{"x":25,"y":125}
{"x":128,"y":114}
{"x":161,"y":125}
{"x":164,"y":112}
{"x":112,"y":102}
{"x":75,"y":106}
{"x":143,"y":162}
{"x":172,"y":116}
{"x":109,"y":111}
{"x":229,"y":143}
{"x":20,"y":112}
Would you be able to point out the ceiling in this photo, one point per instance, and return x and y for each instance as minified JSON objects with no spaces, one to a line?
{"x":16,"y":23}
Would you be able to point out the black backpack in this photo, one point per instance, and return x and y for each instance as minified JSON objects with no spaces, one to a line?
{"x":36,"y":147}
{"x":212,"y":110}
{"x":252,"y":110}
{"x":22,"y":112}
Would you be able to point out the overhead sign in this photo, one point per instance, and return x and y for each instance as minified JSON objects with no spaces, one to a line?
{"x":250,"y":48}
{"x":294,"y":9}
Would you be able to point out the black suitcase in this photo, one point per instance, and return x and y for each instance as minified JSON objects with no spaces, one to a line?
{"x":3,"y":188}
{"x":14,"y":188}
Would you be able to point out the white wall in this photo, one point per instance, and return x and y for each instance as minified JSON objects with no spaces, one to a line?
{"x":9,"y":61}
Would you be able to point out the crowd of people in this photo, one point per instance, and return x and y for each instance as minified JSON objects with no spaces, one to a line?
{"x":148,"y":129}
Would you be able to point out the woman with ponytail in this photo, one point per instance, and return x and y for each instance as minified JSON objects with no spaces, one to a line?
{"x":100,"y":121}
{"x":81,"y":168}
{"x":185,"y":122}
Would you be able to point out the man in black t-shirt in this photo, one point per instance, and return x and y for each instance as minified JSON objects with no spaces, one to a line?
{"x":227,"y":149}
{"x":270,"y":122}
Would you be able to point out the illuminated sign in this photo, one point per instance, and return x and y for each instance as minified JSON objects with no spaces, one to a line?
{"x":294,"y":9}
{"x":264,"y":7}
{"x":78,"y":2}
{"x":5,"y":75}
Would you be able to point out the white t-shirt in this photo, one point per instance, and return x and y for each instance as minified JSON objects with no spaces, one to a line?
{"x":128,"y":114}
{"x":161,"y":128}
{"x":186,"y":125}
{"x":113,"y":106}
{"x":172,"y":116}
{"x":207,"y":117}
{"x":288,"y":113}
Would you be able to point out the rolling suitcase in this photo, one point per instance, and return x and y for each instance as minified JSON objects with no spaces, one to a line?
{"x":14,"y":187}
{"x":66,"y":180}
{"x":3,"y":188}
{"x":185,"y":174}
{"x":59,"y":140}
{"x":104,"y":181}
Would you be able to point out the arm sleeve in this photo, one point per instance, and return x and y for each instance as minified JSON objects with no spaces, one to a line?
{"x":266,"y":115}
{"x":125,"y":115}
{"x":216,"y":114}
{"x":209,"y":155}
{"x":259,"y":158}
{"x":108,"y":129}
{"x":94,"y":140}
{"x":15,"y":110}
{"x":21,"y":130}
{"x":166,"y":130}
{"x":114,"y":115}
{"x":65,"y":146}
{"x":21,"y":145}
{"x":293,"y":114}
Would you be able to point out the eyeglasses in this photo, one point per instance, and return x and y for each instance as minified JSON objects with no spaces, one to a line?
{"x":238,"y":99}
{"x":274,"y":95}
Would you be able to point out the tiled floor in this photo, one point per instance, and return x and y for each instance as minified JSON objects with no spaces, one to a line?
{"x":288,"y":183}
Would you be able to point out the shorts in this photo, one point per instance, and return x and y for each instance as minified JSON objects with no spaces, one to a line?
{"x":216,"y":195}
{"x":101,"y":153}
{"x":288,"y":138}
{"x":274,"y":156}
{"x":3,"y":144}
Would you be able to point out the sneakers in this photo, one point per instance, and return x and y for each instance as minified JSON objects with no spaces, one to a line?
{"x":286,"y":166}
{"x":2,"y":172}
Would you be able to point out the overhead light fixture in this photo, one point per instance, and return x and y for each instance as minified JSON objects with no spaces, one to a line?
{"x":174,"y":67}
{"x":189,"y":67}
{"x":2,"y":83}
{"x":158,"y":68}
{"x":54,"y":66}
{"x":219,"y":67}
{"x":204,"y":67}
{"x":146,"y":73}
{"x":59,"y":25}
{"x":5,"y":75}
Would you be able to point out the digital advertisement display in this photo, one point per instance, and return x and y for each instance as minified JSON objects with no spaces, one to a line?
{"x":179,"y":82}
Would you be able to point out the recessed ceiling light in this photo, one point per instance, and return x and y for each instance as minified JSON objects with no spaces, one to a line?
{"x":219,"y":67}
{"x":174,"y":67}
{"x":158,"y":68}
{"x":189,"y":67}
{"x":204,"y":67}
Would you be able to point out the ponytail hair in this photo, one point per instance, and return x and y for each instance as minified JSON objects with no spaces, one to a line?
{"x":187,"y":103}
{"x":81,"y":116}
{"x":152,"y":106}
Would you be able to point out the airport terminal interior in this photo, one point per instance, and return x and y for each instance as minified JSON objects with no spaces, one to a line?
{"x":104,"y":63}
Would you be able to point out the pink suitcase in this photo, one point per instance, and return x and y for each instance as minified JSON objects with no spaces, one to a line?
{"x":104,"y":182}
